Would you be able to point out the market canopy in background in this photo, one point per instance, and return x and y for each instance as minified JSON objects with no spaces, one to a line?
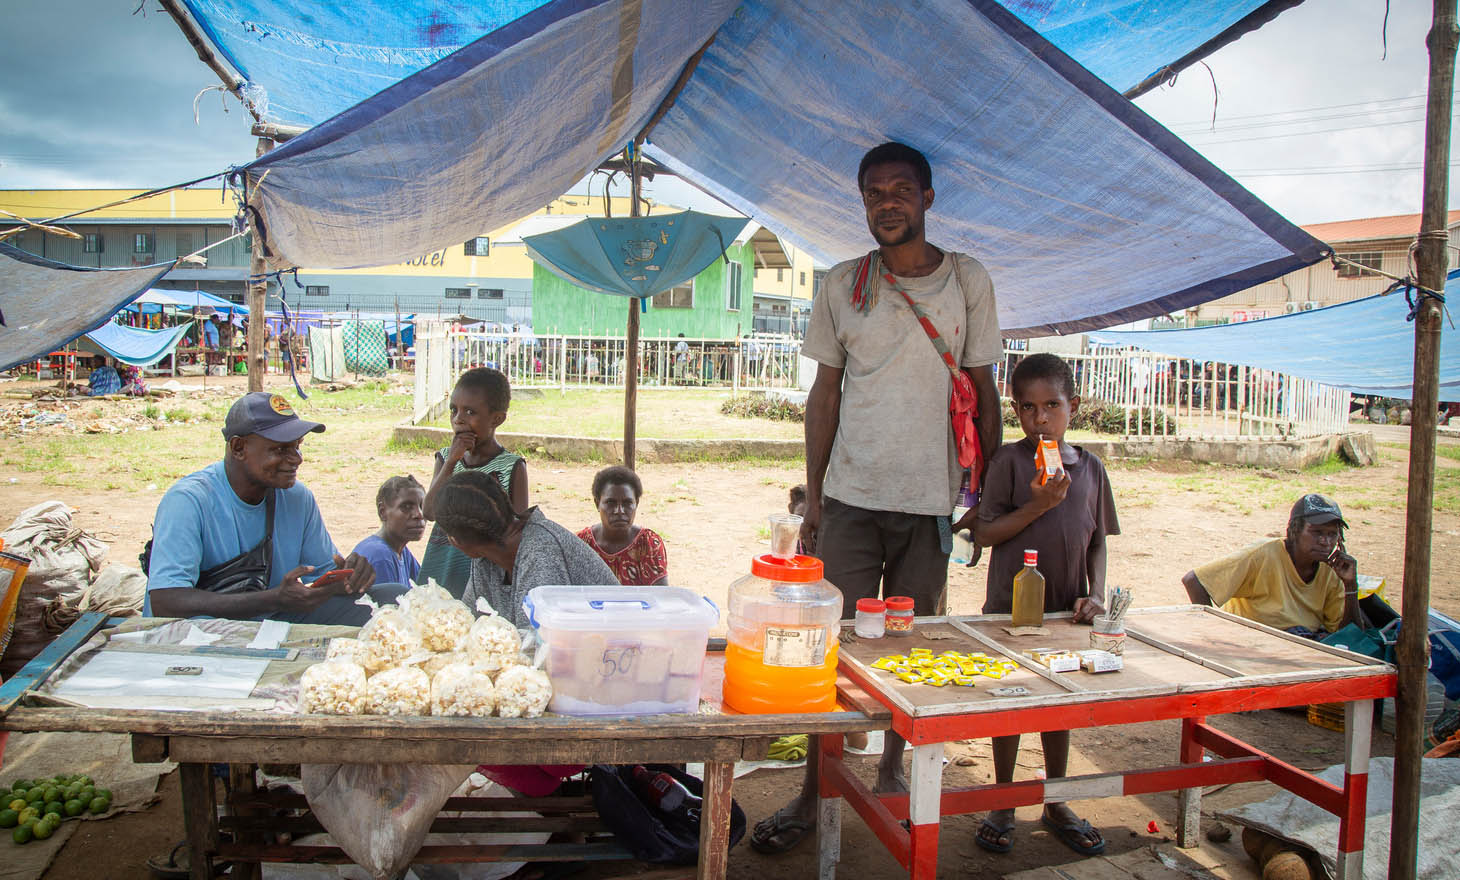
{"x":1086,"y":211}
{"x":132,"y":345}
{"x":31,"y":288}
{"x":1365,"y":346}
{"x":634,"y":256}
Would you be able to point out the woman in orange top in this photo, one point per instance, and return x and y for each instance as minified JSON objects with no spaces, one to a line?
{"x":635,"y":554}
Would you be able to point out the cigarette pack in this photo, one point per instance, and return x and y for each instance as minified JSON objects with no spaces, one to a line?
{"x":1101,"y":661}
{"x":1055,"y":659}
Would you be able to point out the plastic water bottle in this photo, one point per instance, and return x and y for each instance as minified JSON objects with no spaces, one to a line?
{"x":963,"y":541}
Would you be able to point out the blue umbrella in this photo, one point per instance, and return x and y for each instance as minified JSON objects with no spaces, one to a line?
{"x":634,"y":256}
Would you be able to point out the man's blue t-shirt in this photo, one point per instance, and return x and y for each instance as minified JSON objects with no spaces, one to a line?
{"x":389,"y":568}
{"x":201,"y":523}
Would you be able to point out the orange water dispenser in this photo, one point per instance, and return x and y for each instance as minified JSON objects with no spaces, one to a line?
{"x":780,"y":653}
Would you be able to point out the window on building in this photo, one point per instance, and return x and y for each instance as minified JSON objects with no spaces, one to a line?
{"x":681,"y":296}
{"x":732,"y":286}
{"x":480,"y":246}
{"x":93,"y":243}
{"x":1366,"y":259}
{"x":184,"y":243}
{"x":458,"y":293}
{"x":490,"y":293}
{"x":317,"y":290}
{"x":803,"y":279}
{"x":780,"y":275}
{"x":142,"y":243}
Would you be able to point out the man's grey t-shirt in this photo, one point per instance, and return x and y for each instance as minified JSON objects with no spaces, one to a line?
{"x":894,"y":447}
{"x":548,"y":555}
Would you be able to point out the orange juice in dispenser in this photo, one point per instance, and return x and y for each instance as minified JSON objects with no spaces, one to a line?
{"x":780,"y":652}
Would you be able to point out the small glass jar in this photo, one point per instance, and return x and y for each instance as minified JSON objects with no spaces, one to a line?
{"x":871,"y":618}
{"x":899,"y":615}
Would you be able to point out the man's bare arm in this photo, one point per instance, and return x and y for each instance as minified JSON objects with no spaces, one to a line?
{"x":291,"y":595}
{"x":1195,"y":590}
{"x":990,"y":421}
{"x":823,"y":416}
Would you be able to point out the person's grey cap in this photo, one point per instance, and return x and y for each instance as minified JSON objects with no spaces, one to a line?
{"x":1317,"y":509}
{"x":269,"y":416}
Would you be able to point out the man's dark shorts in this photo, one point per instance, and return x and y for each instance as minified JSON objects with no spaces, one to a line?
{"x":900,"y":552}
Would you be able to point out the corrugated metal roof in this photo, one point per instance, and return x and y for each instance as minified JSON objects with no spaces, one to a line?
{"x":1371,"y":228}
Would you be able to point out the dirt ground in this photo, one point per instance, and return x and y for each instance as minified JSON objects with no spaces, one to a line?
{"x":1173,"y":516}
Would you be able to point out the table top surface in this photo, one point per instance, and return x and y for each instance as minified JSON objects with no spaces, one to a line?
{"x":1180,"y":649}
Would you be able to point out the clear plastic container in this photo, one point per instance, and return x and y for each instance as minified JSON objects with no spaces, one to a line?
{"x":622,"y":650}
{"x":781,"y":650}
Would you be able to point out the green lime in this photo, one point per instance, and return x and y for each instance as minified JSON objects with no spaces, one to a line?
{"x":20,"y":785}
{"x":9,"y":818}
{"x":28,"y":815}
{"x":43,"y":830}
{"x":83,"y":779}
{"x":74,"y":807}
{"x":99,"y":805}
{"x":72,"y":790}
{"x":52,"y":792}
{"x":104,"y":792}
{"x":52,"y":807}
{"x":35,"y":794}
{"x":23,"y":834}
{"x":87,"y":793}
{"x":55,"y":818}
{"x":18,"y":804}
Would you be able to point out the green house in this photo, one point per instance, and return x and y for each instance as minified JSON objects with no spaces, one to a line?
{"x":715,"y":304}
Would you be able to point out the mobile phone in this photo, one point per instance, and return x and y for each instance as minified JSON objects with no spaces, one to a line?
{"x":333,"y":577}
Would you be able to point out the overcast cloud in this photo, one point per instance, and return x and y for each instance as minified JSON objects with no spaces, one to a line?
{"x":95,"y":95}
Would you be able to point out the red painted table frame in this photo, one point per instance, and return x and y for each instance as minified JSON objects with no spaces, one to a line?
{"x":916,"y":848}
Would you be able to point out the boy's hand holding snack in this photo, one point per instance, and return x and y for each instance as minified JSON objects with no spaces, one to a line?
{"x":1047,"y":495}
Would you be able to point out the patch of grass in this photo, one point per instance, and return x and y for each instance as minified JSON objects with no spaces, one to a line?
{"x":1447,"y":490}
{"x":151,"y":411}
{"x":412,"y":444}
{"x":1451,"y":452}
{"x":1333,"y":464}
{"x":177,"y":414}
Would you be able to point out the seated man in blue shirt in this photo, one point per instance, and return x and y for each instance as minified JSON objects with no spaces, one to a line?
{"x":239,"y":538}
{"x":399,"y":504}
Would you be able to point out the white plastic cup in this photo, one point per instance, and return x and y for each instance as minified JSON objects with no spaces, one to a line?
{"x":785,"y":530}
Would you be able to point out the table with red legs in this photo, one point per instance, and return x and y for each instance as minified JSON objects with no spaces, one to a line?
{"x":1182,"y":662}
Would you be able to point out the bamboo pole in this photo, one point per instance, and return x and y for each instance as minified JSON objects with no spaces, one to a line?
{"x":258,"y":288}
{"x":631,"y":358}
{"x":1431,"y":261}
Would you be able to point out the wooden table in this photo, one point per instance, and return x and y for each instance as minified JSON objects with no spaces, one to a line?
{"x":1185,"y":662}
{"x":196,"y":740}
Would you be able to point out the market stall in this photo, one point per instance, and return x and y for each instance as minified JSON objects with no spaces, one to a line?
{"x":1185,"y":662}
{"x":237,"y":710}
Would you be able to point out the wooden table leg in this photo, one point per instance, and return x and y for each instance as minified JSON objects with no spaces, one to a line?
{"x":1188,"y":800}
{"x":200,"y":817}
{"x":1358,"y":722}
{"x":715,"y":820}
{"x":925,"y":802}
{"x":828,"y":807}
{"x":243,"y":782}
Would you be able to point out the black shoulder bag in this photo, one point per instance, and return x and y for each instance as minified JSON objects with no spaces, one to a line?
{"x":247,"y":572}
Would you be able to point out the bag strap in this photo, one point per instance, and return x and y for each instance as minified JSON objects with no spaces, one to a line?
{"x":939,"y":344}
{"x":269,"y":537}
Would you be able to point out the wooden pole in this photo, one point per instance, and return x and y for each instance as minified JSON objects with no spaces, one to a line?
{"x":631,"y":357}
{"x":258,"y":288}
{"x":1431,"y":260}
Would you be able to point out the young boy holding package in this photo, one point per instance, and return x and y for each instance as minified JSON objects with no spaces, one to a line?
{"x":1065,"y":518}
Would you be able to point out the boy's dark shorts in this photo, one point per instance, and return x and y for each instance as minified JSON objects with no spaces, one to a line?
{"x":902,"y":553}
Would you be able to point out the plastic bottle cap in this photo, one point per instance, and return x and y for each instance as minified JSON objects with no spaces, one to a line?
{"x":871,"y":606}
{"x":898,"y":603}
{"x":794,"y":569}
{"x":1031,"y":557}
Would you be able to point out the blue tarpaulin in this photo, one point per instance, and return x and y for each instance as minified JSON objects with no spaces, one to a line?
{"x":1365,"y":346}
{"x":187,"y":300}
{"x":634,"y":256}
{"x":47,"y":304}
{"x":1087,"y":212}
{"x":133,"y":345}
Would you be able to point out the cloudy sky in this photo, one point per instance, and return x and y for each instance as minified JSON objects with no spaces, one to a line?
{"x":1310,"y":115}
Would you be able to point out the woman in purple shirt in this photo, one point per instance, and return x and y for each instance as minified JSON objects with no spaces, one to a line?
{"x":401,"y":521}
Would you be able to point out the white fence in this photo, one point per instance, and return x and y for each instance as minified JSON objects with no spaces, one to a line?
{"x":1159,"y":395}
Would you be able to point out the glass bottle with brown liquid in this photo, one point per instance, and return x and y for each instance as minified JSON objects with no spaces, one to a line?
{"x":1029,"y":593}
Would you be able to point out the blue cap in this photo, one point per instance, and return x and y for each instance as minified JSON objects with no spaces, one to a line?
{"x":268,"y":415}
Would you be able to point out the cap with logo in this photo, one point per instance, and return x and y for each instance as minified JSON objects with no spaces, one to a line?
{"x":1317,"y":509}
{"x":268,"y":415}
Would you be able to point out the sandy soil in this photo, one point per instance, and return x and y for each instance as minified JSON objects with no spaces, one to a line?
{"x":1173,"y":516}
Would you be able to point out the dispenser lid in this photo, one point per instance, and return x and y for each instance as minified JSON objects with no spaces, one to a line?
{"x":792,"y":569}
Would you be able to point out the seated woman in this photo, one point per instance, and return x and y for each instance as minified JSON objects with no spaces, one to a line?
{"x":635,"y":554}
{"x":398,"y":504}
{"x":511,"y":552}
{"x":104,"y":380}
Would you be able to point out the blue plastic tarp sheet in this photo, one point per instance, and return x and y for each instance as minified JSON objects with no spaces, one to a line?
{"x":184,"y":300}
{"x":133,"y":345}
{"x":47,"y":304}
{"x":1365,"y":346}
{"x":305,"y":61}
{"x":1086,"y":212}
{"x":634,"y":256}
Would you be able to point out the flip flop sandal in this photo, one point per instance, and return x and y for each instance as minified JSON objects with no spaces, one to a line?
{"x":993,"y":845}
{"x":783,"y":834}
{"x":169,"y":868}
{"x":1076,"y":835}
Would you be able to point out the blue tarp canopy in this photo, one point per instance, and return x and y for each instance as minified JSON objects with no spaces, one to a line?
{"x":47,"y":304}
{"x":1087,"y":212}
{"x":186,"y":300}
{"x":133,"y":345}
{"x":634,"y":256}
{"x":1365,"y":346}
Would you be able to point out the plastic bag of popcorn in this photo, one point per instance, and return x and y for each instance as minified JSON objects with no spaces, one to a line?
{"x":334,"y":687}
{"x":458,"y":689}
{"x":388,"y":638}
{"x":404,"y":690}
{"x":492,"y":642}
{"x":522,"y":692}
{"x":345,"y":649}
{"x":443,"y":624}
{"x":436,"y":662}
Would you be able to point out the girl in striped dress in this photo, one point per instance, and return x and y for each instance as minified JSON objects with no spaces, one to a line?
{"x":478,"y":407}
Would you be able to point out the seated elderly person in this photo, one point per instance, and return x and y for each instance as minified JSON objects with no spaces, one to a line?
{"x":243,"y":539}
{"x":1304,"y":583}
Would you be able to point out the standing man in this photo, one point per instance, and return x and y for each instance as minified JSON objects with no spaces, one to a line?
{"x":882,"y":467}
